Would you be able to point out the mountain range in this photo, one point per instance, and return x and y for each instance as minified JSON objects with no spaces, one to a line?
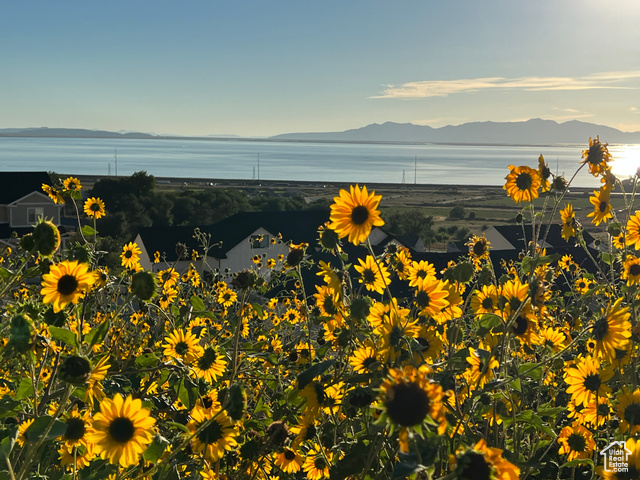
{"x":531,"y":132}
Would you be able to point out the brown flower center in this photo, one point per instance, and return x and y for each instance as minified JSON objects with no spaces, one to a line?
{"x":75,"y":429}
{"x":634,"y":269}
{"x":577,"y":442}
{"x":592,"y":382}
{"x":524,"y":181}
{"x":121,"y":429}
{"x":407,"y":404}
{"x":359,"y":215}
{"x":67,"y":284}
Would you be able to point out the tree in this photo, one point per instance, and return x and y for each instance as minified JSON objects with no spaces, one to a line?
{"x":457,"y":212}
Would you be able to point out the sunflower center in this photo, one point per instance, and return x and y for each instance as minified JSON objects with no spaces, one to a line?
{"x":424,"y":343}
{"x":128,"y":254}
{"x":367,"y":362}
{"x":328,"y":305}
{"x":592,"y":382}
{"x":422,"y":299}
{"x":421,"y":274}
{"x":603,"y":206}
{"x":407,"y":404}
{"x":487,"y":303}
{"x":577,"y":442}
{"x":604,"y":410}
{"x":634,"y":270}
{"x":181,"y":348}
{"x":369,"y":276}
{"x":524,"y":181}
{"x":600,"y":329}
{"x":595,"y":154}
{"x":67,"y":284}
{"x":94,"y":207}
{"x":289,"y":455}
{"x":75,"y":429}
{"x":121,"y":429}
{"x":520,"y":325}
{"x":479,"y":248}
{"x":359,"y":215}
{"x":632,"y":414}
{"x":206,"y":361}
{"x":319,"y":463}
{"x":211,"y":434}
{"x":476,"y":467}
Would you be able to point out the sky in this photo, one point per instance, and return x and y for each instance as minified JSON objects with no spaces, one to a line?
{"x":262,"y":67}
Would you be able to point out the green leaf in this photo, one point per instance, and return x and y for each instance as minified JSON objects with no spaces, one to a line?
{"x":310,"y":373}
{"x":578,"y":461}
{"x":147,"y":360}
{"x":463,"y":272}
{"x":197,"y":303}
{"x":7,"y":443}
{"x":8,"y":405}
{"x":187,"y":392}
{"x":526,"y":264}
{"x":37,"y":429}
{"x":607,"y":258}
{"x":156,"y":449}
{"x":533,"y":370}
{"x":179,"y":426}
{"x":25,"y":389}
{"x":88,"y":231}
{"x":5,"y":273}
{"x":64,"y":335}
{"x":97,"y":335}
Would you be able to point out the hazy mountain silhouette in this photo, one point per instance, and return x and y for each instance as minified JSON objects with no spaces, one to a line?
{"x":531,"y":132}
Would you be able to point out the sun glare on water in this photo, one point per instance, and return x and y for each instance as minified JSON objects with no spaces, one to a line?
{"x":626,"y":160}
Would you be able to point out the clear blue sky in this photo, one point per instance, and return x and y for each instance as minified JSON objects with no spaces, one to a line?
{"x":255,"y":68}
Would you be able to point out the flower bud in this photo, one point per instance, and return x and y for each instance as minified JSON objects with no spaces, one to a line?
{"x":236,"y":402}
{"x":21,"y":333}
{"x":143,"y":285}
{"x":46,"y":238}
{"x":75,"y":370}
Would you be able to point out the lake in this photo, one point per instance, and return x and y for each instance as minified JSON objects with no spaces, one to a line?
{"x":342,"y":162}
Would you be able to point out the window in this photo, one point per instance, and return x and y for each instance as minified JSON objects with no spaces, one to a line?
{"x":259,"y":241}
{"x":34,"y":213}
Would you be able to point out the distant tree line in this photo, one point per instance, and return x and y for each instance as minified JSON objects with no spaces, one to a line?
{"x":134,"y":202}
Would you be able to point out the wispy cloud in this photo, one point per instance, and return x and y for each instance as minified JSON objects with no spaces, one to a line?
{"x":442,"y":88}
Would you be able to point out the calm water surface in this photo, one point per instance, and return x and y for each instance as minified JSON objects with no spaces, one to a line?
{"x":429,"y":164}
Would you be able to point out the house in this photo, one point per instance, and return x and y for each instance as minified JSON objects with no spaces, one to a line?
{"x":517,"y":237}
{"x":22,"y":202}
{"x":237,"y":239}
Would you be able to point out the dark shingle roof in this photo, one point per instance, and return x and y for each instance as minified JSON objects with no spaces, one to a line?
{"x":15,"y":185}
{"x":295,"y":226}
{"x":515,"y":235}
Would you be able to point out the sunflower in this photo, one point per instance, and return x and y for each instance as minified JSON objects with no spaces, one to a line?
{"x":619,"y":241}
{"x":601,"y":206}
{"x":54,"y":193}
{"x":364,"y":360}
{"x":481,"y":366}
{"x":401,"y":261}
{"x":525,"y":327}
{"x":355,"y":213}
{"x":130,"y":255}
{"x":631,"y":270}
{"x":522,"y":184}
{"x":216,"y":433}
{"x":326,"y":301}
{"x":612,"y":331}
{"x":597,"y":157}
{"x":22,"y":432}
{"x":94,"y":388}
{"x":182,"y":345}
{"x":209,"y":365}
{"x":407,"y":398}
{"x":94,"y":208}
{"x":478,"y":247}
{"x":419,"y":271}
{"x":430,"y":343}
{"x":599,"y":413}
{"x":545,"y":173}
{"x":333,"y":395}
{"x":227,"y":297}
{"x":553,"y":338}
{"x":169,"y":275}
{"x":587,"y":380}
{"x":65,"y":283}
{"x":76,"y":457}
{"x":485,"y":300}
{"x":395,"y":329}
{"x":168,"y":295}
{"x":629,"y":411}
{"x":122,"y":430}
{"x":373,"y":275}
{"x":576,"y":442}
{"x":431,"y":296}
{"x":72,"y":184}
{"x":289,"y":460}
{"x":568,"y":218}
{"x":77,"y":427}
{"x":484,"y":463}
{"x":633,"y":231}
{"x":317,"y":463}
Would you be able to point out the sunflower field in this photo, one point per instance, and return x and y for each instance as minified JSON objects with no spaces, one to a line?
{"x":484,"y":370}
